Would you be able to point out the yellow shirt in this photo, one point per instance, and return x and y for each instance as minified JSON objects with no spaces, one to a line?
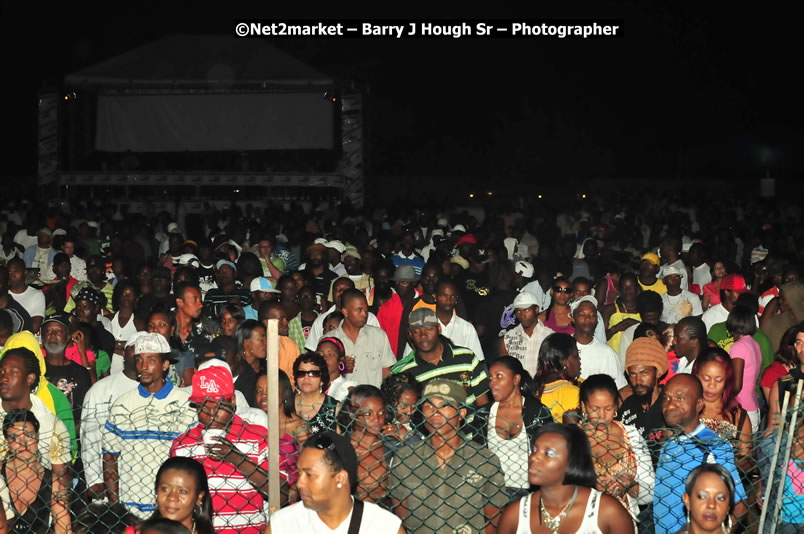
{"x":616,"y":318}
{"x":657,"y":287}
{"x":559,"y":397}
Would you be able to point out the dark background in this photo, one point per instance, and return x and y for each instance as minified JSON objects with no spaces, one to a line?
{"x":686,"y":93}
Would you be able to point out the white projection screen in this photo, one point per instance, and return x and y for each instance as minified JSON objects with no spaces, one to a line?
{"x":214,"y":122}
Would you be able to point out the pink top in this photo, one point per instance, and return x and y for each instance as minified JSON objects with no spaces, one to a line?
{"x":550,"y":322}
{"x":611,"y":291}
{"x":748,"y":350}
{"x":712,"y":291}
{"x":288,"y":453}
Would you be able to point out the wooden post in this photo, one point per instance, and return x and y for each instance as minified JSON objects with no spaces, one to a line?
{"x":272,"y":360}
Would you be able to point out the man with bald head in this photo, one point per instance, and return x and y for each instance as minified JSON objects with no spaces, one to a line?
{"x":317,"y":330}
{"x":690,"y":445}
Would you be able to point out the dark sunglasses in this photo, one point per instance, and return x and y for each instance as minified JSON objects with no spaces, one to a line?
{"x":559,"y":289}
{"x":302,"y":374}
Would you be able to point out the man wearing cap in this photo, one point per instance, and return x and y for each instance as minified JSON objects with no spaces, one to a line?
{"x":227,"y":290}
{"x":407,"y":254}
{"x":524,"y":340}
{"x":72,"y":379}
{"x":446,"y":482}
{"x":676,"y":301}
{"x":354,"y":270}
{"x":327,"y":469}
{"x":648,"y":274}
{"x":393,"y":314}
{"x":233,"y":452}
{"x":368,"y":345}
{"x":32,"y":299}
{"x":272,"y":266}
{"x":335,"y":249}
{"x":596,"y":356}
{"x":40,"y":256}
{"x":435,"y":356}
{"x":262,"y":290}
{"x":95,"y":412}
{"x":645,"y":364}
{"x":731,"y":287}
{"x":141,"y":426}
{"x":670,"y":249}
{"x":317,"y":268}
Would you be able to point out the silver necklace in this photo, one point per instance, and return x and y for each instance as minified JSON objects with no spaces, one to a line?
{"x":553,"y":523}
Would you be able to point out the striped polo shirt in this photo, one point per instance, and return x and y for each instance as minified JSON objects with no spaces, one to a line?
{"x":237,"y":505}
{"x":140,"y":430}
{"x":457,"y":363}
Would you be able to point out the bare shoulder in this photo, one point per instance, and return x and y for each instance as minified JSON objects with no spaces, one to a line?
{"x":614,"y":518}
{"x":509,"y":519}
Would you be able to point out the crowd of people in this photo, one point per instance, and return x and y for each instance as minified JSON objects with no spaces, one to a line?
{"x":586,"y":367}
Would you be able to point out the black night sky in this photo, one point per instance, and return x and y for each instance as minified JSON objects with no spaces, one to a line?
{"x":686,"y":93}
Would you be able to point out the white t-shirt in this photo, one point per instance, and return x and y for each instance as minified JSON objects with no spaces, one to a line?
{"x":297,"y":518}
{"x":597,"y":358}
{"x":673,"y":307}
{"x":701,"y":275}
{"x":33,"y":300}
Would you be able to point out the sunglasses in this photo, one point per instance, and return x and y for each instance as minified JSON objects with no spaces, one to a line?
{"x":302,"y":374}
{"x":559,"y":289}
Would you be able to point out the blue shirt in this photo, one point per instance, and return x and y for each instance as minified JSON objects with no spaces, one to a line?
{"x":679,"y":456}
{"x":414,"y":259}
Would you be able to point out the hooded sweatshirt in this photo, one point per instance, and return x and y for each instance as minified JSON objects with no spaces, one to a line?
{"x":53,"y":398}
{"x":776,"y":326}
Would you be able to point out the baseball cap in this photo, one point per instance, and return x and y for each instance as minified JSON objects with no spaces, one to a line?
{"x":422,"y":318}
{"x":60,"y":318}
{"x":350,"y":252}
{"x":734,"y":282}
{"x":651,"y":257}
{"x":262,"y":284}
{"x":447,"y":390}
{"x":336,"y":244}
{"x":670,"y":270}
{"x":405,"y":273}
{"x":458,"y":228}
{"x":467,"y":238}
{"x":225,"y":262}
{"x":578,"y":302}
{"x":212,"y":383}
{"x":132,"y":339}
{"x":151,"y":343}
{"x":173,"y":228}
{"x":525,"y":300}
{"x":44,"y":231}
{"x":524,"y":268}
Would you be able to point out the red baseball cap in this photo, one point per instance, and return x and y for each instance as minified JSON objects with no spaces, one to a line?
{"x":213,"y":383}
{"x":734,"y":282}
{"x":468,"y":238}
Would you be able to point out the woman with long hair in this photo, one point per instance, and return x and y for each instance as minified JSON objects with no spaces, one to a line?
{"x":182,"y":495}
{"x":252,"y":343}
{"x":557,"y":316}
{"x":361,"y":419}
{"x":621,"y":458}
{"x":722,"y":413}
{"x":711,"y":291}
{"x":557,"y":372}
{"x":508,"y":425}
{"x":561,"y":465}
{"x":318,"y":409}
{"x":786,"y":359}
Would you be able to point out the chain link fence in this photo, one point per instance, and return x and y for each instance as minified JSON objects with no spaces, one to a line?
{"x":404,"y":466}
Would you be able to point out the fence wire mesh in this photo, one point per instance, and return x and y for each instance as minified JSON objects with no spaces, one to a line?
{"x":409,"y":463}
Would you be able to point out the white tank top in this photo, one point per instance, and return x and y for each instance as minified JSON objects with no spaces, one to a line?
{"x":513,"y":453}
{"x":590,"y":515}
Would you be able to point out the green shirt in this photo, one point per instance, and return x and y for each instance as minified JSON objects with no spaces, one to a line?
{"x":457,"y":363}
{"x":449,"y":499}
{"x":723,"y":339}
